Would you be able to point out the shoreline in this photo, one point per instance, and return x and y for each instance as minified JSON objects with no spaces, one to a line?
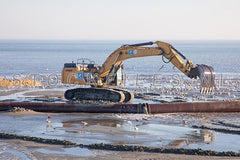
{"x":33,"y":150}
{"x":110,"y":125}
{"x":177,"y":152}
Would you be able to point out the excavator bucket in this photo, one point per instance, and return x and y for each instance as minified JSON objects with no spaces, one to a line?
{"x":206,"y":75}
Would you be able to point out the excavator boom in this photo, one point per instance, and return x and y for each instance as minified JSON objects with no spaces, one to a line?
{"x":205,"y":73}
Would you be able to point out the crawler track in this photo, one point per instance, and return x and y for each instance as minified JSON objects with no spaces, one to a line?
{"x":95,"y":94}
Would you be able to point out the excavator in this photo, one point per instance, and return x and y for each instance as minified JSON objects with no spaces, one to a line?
{"x":111,"y":73}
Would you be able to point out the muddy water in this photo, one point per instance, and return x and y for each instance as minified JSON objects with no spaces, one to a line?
{"x":162,"y":130}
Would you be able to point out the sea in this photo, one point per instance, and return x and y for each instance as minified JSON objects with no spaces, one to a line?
{"x":48,"y":56}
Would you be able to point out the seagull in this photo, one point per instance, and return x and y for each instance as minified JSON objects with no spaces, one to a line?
{"x":185,"y":121}
{"x":138,"y":120}
{"x":145,"y":119}
{"x":48,"y":120}
{"x":136,"y":128}
{"x":118,"y":116}
{"x":84,"y":123}
{"x":229,"y":94}
{"x":129,"y":122}
{"x":49,"y":126}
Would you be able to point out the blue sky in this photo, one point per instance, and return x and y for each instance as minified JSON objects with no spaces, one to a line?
{"x":120,"y":20}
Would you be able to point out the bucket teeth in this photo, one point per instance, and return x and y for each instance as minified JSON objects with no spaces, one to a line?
{"x":207,"y":78}
{"x":207,"y":90}
{"x":202,"y":90}
{"x":211,"y":90}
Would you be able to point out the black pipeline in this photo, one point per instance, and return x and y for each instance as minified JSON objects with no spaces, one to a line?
{"x":145,"y":108}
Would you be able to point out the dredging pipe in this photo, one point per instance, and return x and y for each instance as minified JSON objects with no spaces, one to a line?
{"x":188,"y":107}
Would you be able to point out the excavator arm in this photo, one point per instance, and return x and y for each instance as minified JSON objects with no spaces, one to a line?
{"x":204,"y":72}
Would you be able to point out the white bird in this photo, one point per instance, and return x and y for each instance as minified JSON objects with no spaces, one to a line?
{"x":138,"y":120}
{"x":229,"y":94}
{"x":84,"y":123}
{"x":185,"y":121}
{"x":145,"y":119}
{"x":118,"y":116}
{"x":136,"y":128}
{"x":129,"y":122}
{"x":49,"y":126}
{"x":48,"y":120}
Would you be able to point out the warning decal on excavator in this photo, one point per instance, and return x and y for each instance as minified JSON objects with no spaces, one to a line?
{"x":80,"y":76}
{"x":130,"y":52}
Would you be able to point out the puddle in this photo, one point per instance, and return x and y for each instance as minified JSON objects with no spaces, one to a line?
{"x":68,"y":151}
{"x":163,"y":130}
{"x":90,"y":122}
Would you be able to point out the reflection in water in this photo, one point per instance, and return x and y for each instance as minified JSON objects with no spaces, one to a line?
{"x":91,"y":122}
{"x":204,"y":136}
{"x":135,"y":132}
{"x":69,"y":151}
{"x":49,"y":127}
{"x":207,"y":136}
{"x":177,"y":143}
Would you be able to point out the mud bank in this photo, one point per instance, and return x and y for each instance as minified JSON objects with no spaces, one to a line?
{"x":222,"y":130}
{"x":19,"y":83}
{"x":113,"y":147}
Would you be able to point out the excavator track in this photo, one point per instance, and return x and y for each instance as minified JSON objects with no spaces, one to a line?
{"x":95,"y":94}
{"x":129,"y":96}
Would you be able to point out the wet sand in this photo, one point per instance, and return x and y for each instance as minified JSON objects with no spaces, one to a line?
{"x":161,"y":130}
{"x":19,"y":149}
{"x":111,"y":129}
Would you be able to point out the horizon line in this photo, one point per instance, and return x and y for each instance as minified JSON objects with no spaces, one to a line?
{"x":67,"y":39}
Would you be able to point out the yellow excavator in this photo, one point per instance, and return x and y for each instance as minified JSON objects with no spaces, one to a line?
{"x":86,"y":72}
